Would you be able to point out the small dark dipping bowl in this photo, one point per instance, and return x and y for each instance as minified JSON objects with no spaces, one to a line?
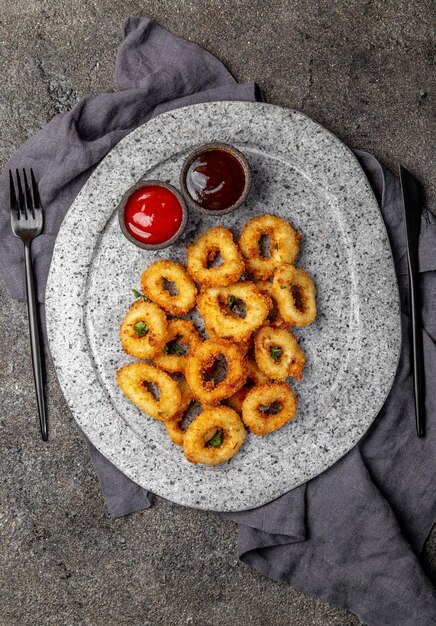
{"x":152,"y":214}
{"x":215,"y":178}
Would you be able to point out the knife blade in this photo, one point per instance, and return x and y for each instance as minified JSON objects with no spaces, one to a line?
{"x":412,"y":214}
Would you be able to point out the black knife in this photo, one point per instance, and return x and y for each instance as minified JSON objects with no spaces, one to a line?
{"x":412,"y":212}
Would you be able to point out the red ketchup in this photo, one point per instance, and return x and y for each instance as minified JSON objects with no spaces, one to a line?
{"x":153,"y":214}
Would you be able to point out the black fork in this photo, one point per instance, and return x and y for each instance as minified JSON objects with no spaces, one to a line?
{"x":27,"y":223}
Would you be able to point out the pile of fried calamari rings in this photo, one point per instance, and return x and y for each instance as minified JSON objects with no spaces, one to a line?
{"x":237,"y":376}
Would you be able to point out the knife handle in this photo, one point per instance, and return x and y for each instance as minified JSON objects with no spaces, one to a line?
{"x":417,"y":347}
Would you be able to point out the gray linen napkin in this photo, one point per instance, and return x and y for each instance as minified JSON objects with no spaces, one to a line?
{"x":352,"y":535}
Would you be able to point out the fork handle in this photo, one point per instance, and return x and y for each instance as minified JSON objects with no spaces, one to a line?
{"x":32,"y":308}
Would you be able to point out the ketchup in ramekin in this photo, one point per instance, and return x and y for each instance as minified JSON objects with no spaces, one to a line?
{"x":152,"y":214}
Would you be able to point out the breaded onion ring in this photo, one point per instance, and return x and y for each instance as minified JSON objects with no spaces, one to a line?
{"x":153,"y":286}
{"x":261,"y":422}
{"x":174,"y":425}
{"x":205,"y":249}
{"x":295,"y":295}
{"x":284,"y":245}
{"x":216,"y":307}
{"x":143,"y":330}
{"x":201,"y":362}
{"x":175,"y":351}
{"x":254,"y":377}
{"x":134,"y":379}
{"x":278,"y":354}
{"x":214,"y":436}
{"x":274,"y":317}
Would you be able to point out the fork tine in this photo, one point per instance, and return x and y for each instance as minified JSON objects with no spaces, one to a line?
{"x":29,"y":201}
{"x":36,"y":199}
{"x":21,"y":202}
{"x":12,"y":195}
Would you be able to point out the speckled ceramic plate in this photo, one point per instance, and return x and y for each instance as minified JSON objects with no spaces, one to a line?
{"x":300,"y":172}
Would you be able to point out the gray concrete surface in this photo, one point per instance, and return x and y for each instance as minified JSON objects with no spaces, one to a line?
{"x":364,"y":69}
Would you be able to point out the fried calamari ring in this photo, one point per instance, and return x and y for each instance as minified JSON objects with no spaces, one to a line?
{"x":278,"y":354}
{"x":263,"y":422}
{"x":218,"y":307}
{"x":205,"y":249}
{"x":182,"y":337}
{"x":174,"y":425}
{"x":295,"y":295}
{"x":245,"y":345}
{"x":143,"y":330}
{"x":136,"y":381}
{"x":201,"y":363}
{"x":284,"y":245}
{"x":274,"y":317}
{"x":214,"y":436}
{"x":162,"y":273}
{"x":254,"y":377}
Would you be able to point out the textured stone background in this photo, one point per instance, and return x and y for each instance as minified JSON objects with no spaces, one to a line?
{"x":364,"y":69}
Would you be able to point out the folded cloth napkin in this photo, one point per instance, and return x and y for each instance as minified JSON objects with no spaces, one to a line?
{"x":354,"y":534}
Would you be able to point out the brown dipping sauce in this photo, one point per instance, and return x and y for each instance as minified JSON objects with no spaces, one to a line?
{"x":215,"y":179}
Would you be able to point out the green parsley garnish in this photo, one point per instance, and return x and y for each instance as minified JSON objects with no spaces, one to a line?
{"x":233,"y":302}
{"x":217,"y":439}
{"x":141,"y":328}
{"x":283,"y":286}
{"x":276,"y":353}
{"x":173,"y":347}
{"x":138,"y":294}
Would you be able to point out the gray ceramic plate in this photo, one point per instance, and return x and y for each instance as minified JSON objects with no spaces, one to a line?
{"x":300,"y":172}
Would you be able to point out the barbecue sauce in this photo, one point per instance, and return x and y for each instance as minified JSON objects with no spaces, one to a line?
{"x":215,"y":180}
